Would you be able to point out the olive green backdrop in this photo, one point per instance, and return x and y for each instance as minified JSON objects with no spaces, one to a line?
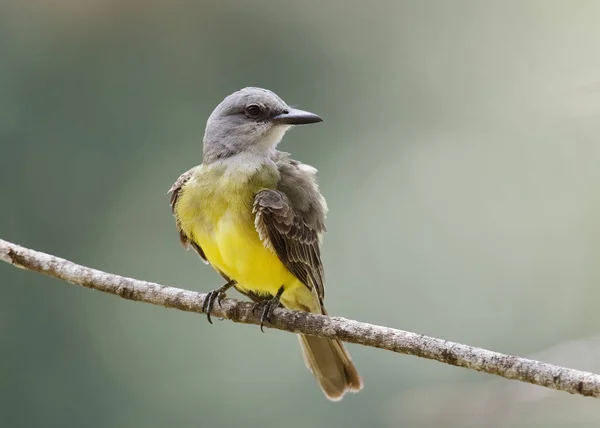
{"x":460,"y":156}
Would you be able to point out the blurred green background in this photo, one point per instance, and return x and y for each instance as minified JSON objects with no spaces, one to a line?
{"x":459,"y":156}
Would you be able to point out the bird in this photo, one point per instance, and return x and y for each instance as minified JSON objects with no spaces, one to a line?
{"x":258,"y":218}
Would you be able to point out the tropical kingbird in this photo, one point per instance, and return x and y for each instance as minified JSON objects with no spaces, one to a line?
{"x":257,"y":217}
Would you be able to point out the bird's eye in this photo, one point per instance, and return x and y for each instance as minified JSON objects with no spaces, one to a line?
{"x":253,"y":110}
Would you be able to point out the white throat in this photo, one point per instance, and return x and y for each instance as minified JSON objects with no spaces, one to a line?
{"x":270,"y":140}
{"x":249,"y":161}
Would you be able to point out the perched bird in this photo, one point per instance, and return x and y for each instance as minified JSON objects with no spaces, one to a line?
{"x":257,"y":217}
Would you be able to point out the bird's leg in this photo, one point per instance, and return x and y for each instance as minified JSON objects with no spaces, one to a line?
{"x":268,"y":306}
{"x":217,"y":293}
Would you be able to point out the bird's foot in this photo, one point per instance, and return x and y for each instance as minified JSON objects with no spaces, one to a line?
{"x":215,"y":295}
{"x":267,"y":307}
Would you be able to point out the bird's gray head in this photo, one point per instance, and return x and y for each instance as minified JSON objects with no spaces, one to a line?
{"x":250,"y":120}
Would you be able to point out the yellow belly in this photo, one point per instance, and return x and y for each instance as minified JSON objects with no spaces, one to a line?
{"x":234,"y":247}
{"x":216,"y":212}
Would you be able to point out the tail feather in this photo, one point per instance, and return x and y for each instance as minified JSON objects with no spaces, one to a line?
{"x":331,"y":365}
{"x":327,"y":359}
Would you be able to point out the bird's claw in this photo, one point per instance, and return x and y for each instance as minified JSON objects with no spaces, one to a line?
{"x":215,"y":295}
{"x":267,"y":307}
{"x":209,"y":302}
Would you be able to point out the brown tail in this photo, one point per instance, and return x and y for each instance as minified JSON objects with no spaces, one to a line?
{"x":331,"y":365}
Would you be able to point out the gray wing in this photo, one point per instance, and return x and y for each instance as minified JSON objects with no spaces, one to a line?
{"x":284,"y":232}
{"x":291,"y":219}
{"x":299,"y":183}
{"x":174,"y":190}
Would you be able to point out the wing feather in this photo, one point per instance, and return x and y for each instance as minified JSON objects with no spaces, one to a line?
{"x":286,"y":233}
{"x":175,"y":191}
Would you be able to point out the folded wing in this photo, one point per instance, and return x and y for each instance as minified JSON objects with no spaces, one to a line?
{"x":296,"y":244}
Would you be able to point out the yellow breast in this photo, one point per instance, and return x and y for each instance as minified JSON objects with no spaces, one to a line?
{"x":216,"y":212}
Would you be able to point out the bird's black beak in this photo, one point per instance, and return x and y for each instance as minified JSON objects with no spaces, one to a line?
{"x":296,"y":117}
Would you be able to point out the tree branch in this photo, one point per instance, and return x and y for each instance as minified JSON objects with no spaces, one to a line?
{"x":402,"y":342}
